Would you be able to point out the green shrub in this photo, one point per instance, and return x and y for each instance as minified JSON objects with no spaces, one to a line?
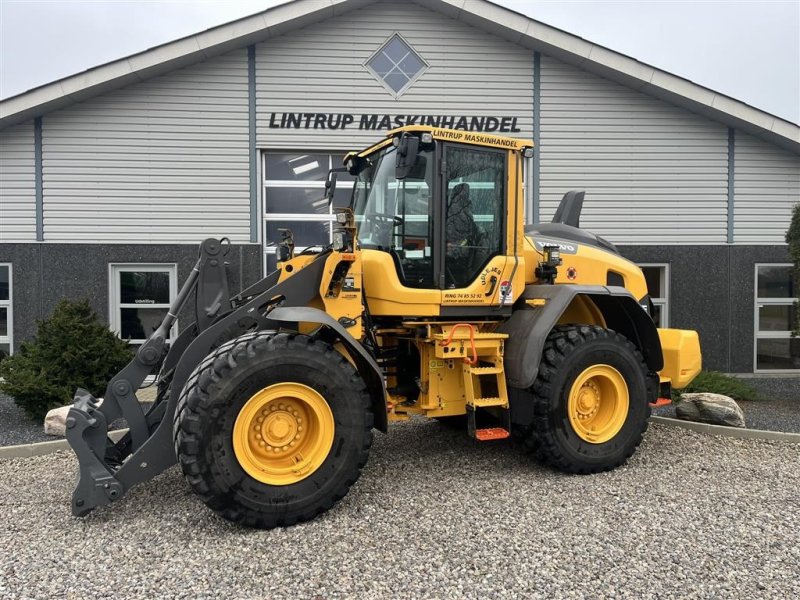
{"x":717,"y":383}
{"x":71,"y":349}
{"x":793,"y":239}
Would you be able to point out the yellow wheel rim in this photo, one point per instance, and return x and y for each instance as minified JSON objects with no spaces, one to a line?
{"x":598,"y":404}
{"x":283,"y":433}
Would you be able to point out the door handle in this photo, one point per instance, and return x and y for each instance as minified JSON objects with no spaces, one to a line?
{"x":492,"y":284}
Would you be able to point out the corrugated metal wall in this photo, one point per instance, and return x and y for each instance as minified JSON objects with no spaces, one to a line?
{"x":320,"y":69}
{"x":767,"y":186}
{"x":165,"y":160}
{"x":17,"y":184}
{"x":653,"y":173}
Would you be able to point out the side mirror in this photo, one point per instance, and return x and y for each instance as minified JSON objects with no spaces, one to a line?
{"x":330,"y":183}
{"x":407,"y":152}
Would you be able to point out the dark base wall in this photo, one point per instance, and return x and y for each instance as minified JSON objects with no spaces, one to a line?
{"x":711,"y":287}
{"x":711,"y":290}
{"x":43,"y":274}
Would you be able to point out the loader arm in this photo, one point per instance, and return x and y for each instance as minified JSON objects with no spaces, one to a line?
{"x":108,"y":469}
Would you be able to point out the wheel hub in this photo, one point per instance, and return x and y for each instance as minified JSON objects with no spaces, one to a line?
{"x":283,"y":433}
{"x":588,"y":400}
{"x":598,"y":404}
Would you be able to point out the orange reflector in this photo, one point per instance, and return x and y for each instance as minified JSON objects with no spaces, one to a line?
{"x":661,"y":402}
{"x":491,"y":433}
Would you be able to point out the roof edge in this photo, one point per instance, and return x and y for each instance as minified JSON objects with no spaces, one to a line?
{"x":523,"y":30}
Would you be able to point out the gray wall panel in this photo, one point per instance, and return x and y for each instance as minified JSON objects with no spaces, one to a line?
{"x":17,"y":184}
{"x":320,"y":69}
{"x":698,"y":289}
{"x":653,"y":173}
{"x":163,"y":161}
{"x":767,"y":185}
{"x":711,"y":291}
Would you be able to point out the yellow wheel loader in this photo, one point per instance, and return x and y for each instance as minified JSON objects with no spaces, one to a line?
{"x":434,"y":299}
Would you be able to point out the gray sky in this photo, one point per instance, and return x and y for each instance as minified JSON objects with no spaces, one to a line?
{"x":748,"y":50}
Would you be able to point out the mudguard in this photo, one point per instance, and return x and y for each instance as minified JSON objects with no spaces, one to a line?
{"x":529,"y":327}
{"x":367,"y":366}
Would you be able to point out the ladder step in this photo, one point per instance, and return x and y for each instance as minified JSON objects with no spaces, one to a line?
{"x":491,"y":433}
{"x":486,"y":402}
{"x":484,"y":370}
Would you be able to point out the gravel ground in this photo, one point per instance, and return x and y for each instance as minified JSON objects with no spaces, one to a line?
{"x":16,"y":427}
{"x":775,"y":414}
{"x":435,"y":515}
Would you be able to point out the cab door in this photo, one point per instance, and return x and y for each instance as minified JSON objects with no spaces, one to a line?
{"x":473,"y":228}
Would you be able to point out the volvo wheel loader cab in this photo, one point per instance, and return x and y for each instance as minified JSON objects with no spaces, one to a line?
{"x":433,"y":300}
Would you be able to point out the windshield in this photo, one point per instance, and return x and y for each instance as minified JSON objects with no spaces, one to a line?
{"x":393,"y":215}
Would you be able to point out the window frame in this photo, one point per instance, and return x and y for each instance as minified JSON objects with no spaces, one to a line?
{"x":115,"y":305}
{"x":267,"y":184}
{"x":662,"y":301}
{"x":9,"y":305}
{"x":397,"y":94}
{"x":769,"y":335}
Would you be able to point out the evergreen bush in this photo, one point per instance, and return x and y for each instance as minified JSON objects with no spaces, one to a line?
{"x":71,"y":349}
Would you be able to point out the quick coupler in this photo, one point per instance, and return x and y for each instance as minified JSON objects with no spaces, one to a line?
{"x":87,"y":434}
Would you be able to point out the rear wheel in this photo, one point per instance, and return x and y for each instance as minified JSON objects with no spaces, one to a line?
{"x":591,"y":399}
{"x":273,"y":429}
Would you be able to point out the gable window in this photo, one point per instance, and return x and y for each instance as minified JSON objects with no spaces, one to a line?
{"x":775,"y":297}
{"x":6,"y":312}
{"x":396,"y":65}
{"x":657,"y":278}
{"x":140,"y":298}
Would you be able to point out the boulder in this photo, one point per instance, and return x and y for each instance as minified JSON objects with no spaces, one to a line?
{"x":55,"y":421}
{"x":705,"y":407}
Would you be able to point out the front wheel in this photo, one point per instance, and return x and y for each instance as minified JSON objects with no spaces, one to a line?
{"x":591,"y":399}
{"x":273,"y":429}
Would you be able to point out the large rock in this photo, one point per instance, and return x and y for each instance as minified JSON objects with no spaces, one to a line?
{"x":55,"y":421}
{"x":705,"y":407}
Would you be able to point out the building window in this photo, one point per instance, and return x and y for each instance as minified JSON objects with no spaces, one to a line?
{"x":657,"y":277}
{"x":294,"y":190}
{"x":140,"y":297}
{"x":396,"y":65}
{"x":6,"y":312}
{"x":775,"y":297}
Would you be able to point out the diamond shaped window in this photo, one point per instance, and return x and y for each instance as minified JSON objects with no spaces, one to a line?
{"x":396,"y":65}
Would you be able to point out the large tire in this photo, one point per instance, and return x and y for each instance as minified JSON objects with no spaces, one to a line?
{"x":584,"y":375}
{"x":226,"y":384}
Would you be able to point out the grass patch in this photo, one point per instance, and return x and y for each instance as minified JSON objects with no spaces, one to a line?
{"x":717,"y":383}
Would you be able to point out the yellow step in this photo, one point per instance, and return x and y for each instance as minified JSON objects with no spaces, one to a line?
{"x":485,"y":370}
{"x":486,"y":402}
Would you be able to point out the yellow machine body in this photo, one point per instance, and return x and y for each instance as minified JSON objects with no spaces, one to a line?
{"x":448,"y":384}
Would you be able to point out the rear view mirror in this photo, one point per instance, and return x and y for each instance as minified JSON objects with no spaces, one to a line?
{"x":407,"y":152}
{"x":330,"y":183}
